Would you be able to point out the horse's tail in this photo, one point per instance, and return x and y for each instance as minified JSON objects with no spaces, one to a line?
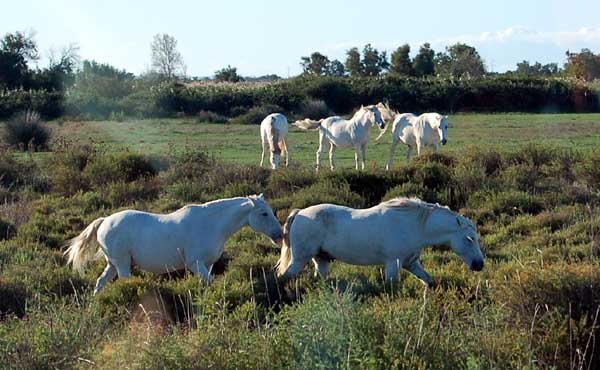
{"x":274,"y":138}
{"x":83,"y":247}
{"x":382,"y":133}
{"x":308,"y":124}
{"x":286,"y":249}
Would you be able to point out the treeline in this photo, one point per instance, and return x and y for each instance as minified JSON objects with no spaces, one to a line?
{"x":450,"y":81}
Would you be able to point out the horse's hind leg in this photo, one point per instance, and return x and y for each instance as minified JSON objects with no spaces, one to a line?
{"x":388,"y":166}
{"x":198,"y":269}
{"x":109,"y":273}
{"x":265,"y":148}
{"x":284,"y":144}
{"x":321,"y":149}
{"x":123,"y":266}
{"x":321,"y":267}
{"x":391,"y":271}
{"x":332,"y":156}
{"x":409,"y":153}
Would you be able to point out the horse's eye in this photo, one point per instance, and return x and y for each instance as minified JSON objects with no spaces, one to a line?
{"x":470,"y":239}
{"x":264,"y":214}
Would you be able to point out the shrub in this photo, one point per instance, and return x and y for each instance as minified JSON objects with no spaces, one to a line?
{"x":314,"y":109}
{"x":255,"y":115}
{"x":7,"y":230}
{"x":120,"y":167}
{"x":210,"y":117}
{"x":507,"y":202}
{"x":27,"y":131}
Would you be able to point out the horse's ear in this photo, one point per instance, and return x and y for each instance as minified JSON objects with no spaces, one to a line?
{"x":261,"y":196}
{"x":252,"y":199}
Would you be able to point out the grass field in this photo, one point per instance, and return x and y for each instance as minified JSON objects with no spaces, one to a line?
{"x":531,"y":183}
{"x":242,"y":143}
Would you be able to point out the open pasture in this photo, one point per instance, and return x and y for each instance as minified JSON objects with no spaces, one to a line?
{"x":531,"y":183}
{"x":241,"y":143}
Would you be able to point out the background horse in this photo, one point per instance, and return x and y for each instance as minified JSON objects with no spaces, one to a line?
{"x":273,"y":134}
{"x":192,"y":237}
{"x":392,"y":234}
{"x":345,"y":133}
{"x":428,"y":129}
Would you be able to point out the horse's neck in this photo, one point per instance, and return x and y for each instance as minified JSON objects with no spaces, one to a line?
{"x":232,"y":214}
{"x":439,"y":227}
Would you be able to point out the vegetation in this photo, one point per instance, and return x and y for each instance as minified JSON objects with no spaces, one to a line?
{"x":27,"y":131}
{"x":535,"y":304}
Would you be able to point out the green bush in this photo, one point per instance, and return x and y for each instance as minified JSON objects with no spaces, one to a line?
{"x":120,"y":167}
{"x":27,"y":131}
{"x":255,"y":115}
{"x":314,"y":109}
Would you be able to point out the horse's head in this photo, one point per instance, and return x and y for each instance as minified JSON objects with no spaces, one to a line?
{"x":262,"y":219}
{"x":465,"y":243}
{"x":443,"y":129}
{"x":387,"y":113}
{"x":374,"y":115}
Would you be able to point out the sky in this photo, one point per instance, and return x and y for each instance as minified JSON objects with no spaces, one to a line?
{"x":269,"y":36}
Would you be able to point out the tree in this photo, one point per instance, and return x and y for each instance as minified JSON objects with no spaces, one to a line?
{"x":584,"y":65}
{"x":317,"y":64}
{"x":459,"y":60}
{"x":16,"y":50}
{"x":423,"y":61}
{"x":62,"y":66}
{"x":353,"y":64}
{"x":228,"y":74}
{"x":373,"y":62}
{"x":537,"y":69}
{"x":166,"y":60}
{"x":401,"y":64}
{"x":336,"y":68}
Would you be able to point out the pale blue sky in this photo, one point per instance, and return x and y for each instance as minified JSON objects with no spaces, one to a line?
{"x":270,"y":36}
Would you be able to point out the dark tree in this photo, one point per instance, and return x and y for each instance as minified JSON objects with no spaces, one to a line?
{"x":401,"y":64}
{"x":459,"y":60}
{"x":336,"y":68}
{"x":373,"y":61}
{"x":317,"y":64}
{"x":228,"y":74}
{"x":353,"y":64}
{"x":584,"y":65}
{"x":16,"y":51}
{"x":423,"y":62}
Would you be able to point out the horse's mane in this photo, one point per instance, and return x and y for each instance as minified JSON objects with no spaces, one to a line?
{"x":216,"y":204}
{"x":407,"y":204}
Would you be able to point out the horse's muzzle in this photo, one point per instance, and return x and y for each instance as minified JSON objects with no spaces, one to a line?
{"x":477,"y":265}
{"x":444,"y":142}
{"x":277,"y":238}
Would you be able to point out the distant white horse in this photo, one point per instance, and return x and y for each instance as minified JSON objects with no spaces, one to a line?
{"x":392,"y":234}
{"x":428,"y":129}
{"x":273,"y":133}
{"x":192,"y":237}
{"x":345,"y":133}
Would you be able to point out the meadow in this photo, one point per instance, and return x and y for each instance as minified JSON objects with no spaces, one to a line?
{"x":531,"y":183}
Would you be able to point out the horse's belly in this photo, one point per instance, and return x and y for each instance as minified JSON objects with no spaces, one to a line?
{"x":158,"y":260}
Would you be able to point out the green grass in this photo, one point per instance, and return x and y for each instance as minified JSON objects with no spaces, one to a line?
{"x":535,"y":305}
{"x":242,"y":143}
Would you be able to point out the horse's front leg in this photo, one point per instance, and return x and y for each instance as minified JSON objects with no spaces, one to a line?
{"x":388,"y":166}
{"x":419,"y":149}
{"x":357,"y":156}
{"x":417,"y":269}
{"x":264,"y":149}
{"x":409,"y":153}
{"x":199,"y":269}
{"x":287,"y":152}
{"x":321,"y":149}
{"x":363,"y":151}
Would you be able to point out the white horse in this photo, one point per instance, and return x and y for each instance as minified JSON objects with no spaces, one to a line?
{"x":428,"y":129}
{"x":345,"y":133}
{"x":273,"y":133}
{"x":192,"y":237}
{"x":392,"y":234}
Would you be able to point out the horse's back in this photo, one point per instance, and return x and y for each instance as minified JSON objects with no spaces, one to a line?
{"x":275,"y":121}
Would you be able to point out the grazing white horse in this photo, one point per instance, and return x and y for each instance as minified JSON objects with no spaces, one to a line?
{"x":192,"y":237}
{"x":345,"y":133}
{"x":428,"y":129}
{"x":392,"y":234}
{"x":273,"y":134}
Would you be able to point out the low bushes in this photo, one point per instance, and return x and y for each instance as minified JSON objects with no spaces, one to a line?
{"x":27,"y":131}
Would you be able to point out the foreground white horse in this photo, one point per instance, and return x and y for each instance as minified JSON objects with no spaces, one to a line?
{"x":192,"y":237}
{"x":392,"y":234}
{"x":428,"y":129}
{"x":273,"y":134}
{"x":345,"y":133}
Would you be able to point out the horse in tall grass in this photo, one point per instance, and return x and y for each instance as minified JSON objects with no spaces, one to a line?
{"x":340,"y":132}
{"x":192,"y":237}
{"x":392,"y":234}
{"x":273,"y":134}
{"x":428,"y":129}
